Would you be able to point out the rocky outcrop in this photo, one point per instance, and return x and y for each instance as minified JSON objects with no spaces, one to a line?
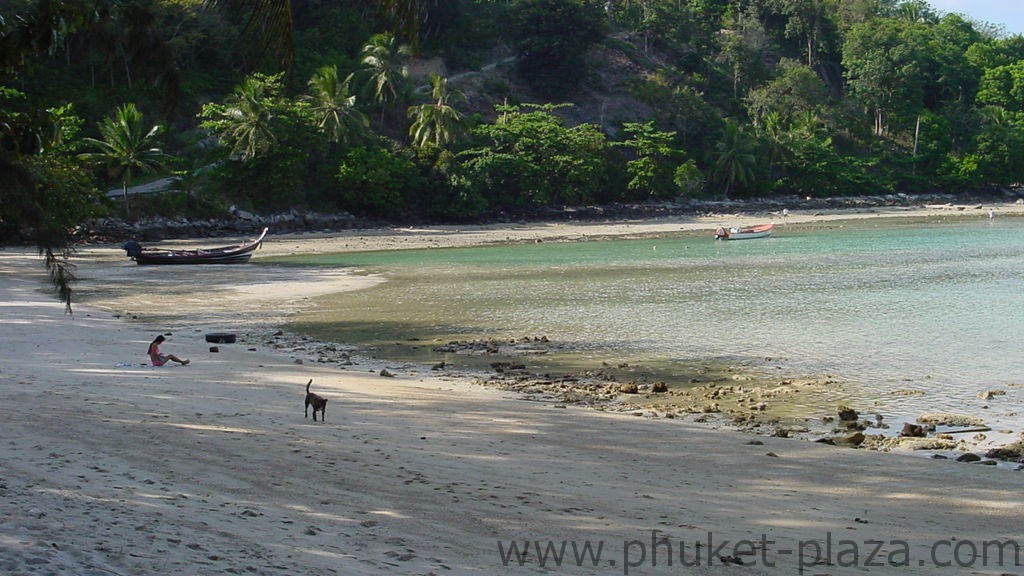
{"x":847,"y":414}
{"x":950,"y":419}
{"x":912,"y":431}
{"x":1013,"y":451}
{"x":238,"y":223}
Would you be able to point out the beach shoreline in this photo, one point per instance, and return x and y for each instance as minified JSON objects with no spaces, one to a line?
{"x":746,"y":397}
{"x":113,"y":466}
{"x":460,"y":236}
{"x":749,"y":395}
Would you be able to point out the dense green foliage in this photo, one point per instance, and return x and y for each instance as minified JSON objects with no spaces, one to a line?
{"x":304,"y":103}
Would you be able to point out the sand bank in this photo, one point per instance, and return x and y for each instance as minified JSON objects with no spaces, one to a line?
{"x":114,"y":467}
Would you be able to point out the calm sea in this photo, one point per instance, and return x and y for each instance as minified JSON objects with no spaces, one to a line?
{"x":934,"y":308}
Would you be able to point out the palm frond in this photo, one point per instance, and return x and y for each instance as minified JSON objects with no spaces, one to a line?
{"x":269,"y":22}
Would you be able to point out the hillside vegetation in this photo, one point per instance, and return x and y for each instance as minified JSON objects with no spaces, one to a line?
{"x":449,"y":110}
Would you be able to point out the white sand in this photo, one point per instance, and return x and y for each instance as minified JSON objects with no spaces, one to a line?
{"x":109,"y":466}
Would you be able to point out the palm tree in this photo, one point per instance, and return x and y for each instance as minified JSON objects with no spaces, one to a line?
{"x":386,"y":75}
{"x":270,"y":22}
{"x":775,"y":132}
{"x":734,"y":158}
{"x":126,"y":146}
{"x":245,"y":121}
{"x":437,"y":123}
{"x":37,"y":29}
{"x":406,"y":16}
{"x":334,"y":106}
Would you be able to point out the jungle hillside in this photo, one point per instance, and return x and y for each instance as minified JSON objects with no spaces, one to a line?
{"x":464,"y":110}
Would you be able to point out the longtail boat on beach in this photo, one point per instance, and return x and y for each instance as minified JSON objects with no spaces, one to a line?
{"x":736,"y":233}
{"x":236,"y":254}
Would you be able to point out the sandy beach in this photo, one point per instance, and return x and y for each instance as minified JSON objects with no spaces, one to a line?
{"x":111,"y":466}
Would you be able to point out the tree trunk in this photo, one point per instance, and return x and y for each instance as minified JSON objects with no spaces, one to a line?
{"x":124,"y":188}
{"x":128,"y":72}
{"x":917,"y":135}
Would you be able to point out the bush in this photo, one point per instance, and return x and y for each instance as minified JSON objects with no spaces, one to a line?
{"x":377,"y":182}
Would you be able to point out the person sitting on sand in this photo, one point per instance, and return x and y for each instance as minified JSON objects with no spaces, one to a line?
{"x":159,"y":359}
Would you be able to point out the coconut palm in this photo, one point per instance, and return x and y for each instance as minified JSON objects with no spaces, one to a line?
{"x":437,"y":123}
{"x":269,"y":21}
{"x":386,"y":76}
{"x":27,"y":29}
{"x":406,"y":16}
{"x":126,"y":146}
{"x":775,"y":133}
{"x":734,"y":158}
{"x":245,"y":121}
{"x":335,"y":107}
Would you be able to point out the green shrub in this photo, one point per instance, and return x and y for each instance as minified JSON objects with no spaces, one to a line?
{"x":377,"y":182}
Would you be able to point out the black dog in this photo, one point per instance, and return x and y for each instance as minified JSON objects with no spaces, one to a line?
{"x":317,"y":402}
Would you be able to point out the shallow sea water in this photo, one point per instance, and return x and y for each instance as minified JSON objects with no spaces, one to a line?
{"x":931,"y":308}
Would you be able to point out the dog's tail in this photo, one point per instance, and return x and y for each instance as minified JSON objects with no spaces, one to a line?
{"x":307,"y":385}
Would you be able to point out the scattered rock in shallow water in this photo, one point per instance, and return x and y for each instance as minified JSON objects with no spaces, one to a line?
{"x":1013,"y":451}
{"x":990,"y":394}
{"x":889,"y":443}
{"x":968,"y":457}
{"x":907,"y":392}
{"x":927,"y":443}
{"x":536,"y":345}
{"x":847,"y":414}
{"x":853,"y":425}
{"x":659,"y":387}
{"x":629,"y":388}
{"x":950,"y":419}
{"x":384,"y":372}
{"x":912,"y":431}
{"x":855,"y":439}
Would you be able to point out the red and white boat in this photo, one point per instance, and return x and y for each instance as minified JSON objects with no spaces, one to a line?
{"x":737,"y":233}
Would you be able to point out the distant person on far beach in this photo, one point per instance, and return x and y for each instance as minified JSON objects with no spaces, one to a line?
{"x":159,"y":359}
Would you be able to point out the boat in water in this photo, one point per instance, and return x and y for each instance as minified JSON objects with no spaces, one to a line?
{"x":749,"y":232}
{"x":235,"y":254}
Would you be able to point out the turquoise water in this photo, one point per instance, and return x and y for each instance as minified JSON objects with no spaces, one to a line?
{"x":933,"y":308}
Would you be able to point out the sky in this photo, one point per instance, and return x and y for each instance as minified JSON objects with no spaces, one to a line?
{"x":1009,"y":13}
